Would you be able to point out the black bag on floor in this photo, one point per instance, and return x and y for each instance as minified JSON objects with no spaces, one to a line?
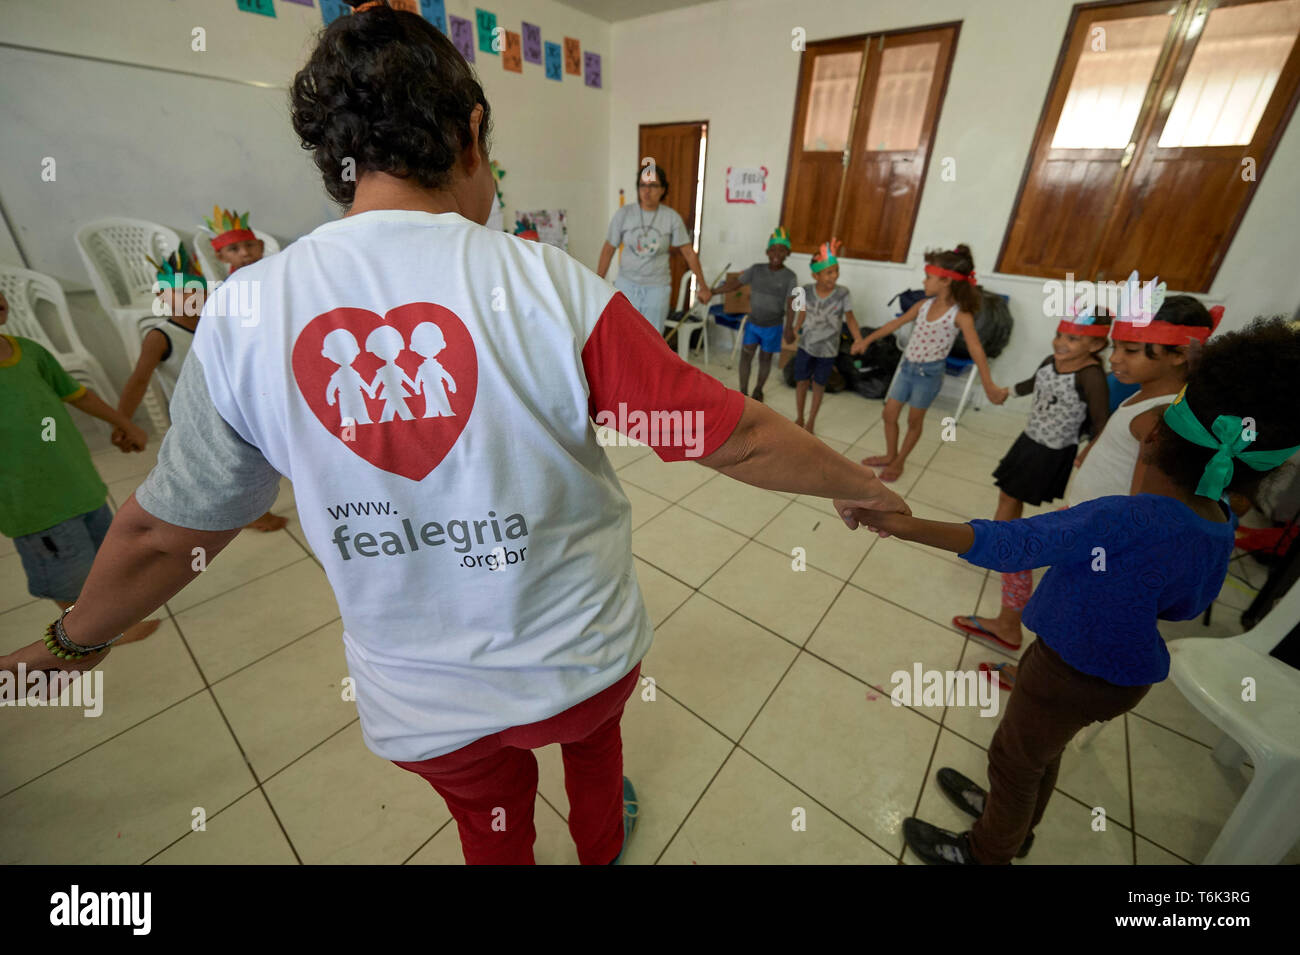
{"x":993,"y":325}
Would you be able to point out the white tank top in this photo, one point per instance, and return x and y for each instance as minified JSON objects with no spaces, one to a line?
{"x":931,"y":341}
{"x":181,"y":339}
{"x":1108,"y":468}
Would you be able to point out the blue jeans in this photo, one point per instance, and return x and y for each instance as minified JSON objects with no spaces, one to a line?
{"x":57,"y":560}
{"x":652,"y":301}
{"x":917,"y":384}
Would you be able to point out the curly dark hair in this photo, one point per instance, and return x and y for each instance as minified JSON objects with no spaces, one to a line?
{"x":958,"y":260}
{"x":1180,"y":310}
{"x":1246,"y":374}
{"x":385,"y":89}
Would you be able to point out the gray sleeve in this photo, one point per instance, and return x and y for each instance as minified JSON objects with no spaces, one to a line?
{"x":207,"y":478}
{"x":848,"y":300}
{"x":615,"y":235}
{"x":680,"y":235}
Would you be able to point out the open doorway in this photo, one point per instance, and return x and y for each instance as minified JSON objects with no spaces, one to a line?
{"x":678,"y":149}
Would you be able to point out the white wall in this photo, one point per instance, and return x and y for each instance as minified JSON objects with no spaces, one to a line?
{"x":731,"y":63}
{"x":165,"y":146}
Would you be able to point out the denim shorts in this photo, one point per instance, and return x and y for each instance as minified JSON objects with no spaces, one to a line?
{"x":917,"y":384}
{"x":809,"y":366}
{"x":57,"y":560}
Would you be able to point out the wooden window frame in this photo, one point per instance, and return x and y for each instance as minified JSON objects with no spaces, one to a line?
{"x":1162,"y":89}
{"x":871,"y":45}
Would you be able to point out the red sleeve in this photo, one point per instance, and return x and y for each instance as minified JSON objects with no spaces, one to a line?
{"x":639,"y":387}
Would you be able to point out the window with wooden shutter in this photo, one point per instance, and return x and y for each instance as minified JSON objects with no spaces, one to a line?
{"x":864,"y":121}
{"x":1159,"y":123}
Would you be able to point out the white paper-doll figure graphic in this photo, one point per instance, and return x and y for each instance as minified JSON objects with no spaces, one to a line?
{"x":385,"y":342}
{"x":427,"y":340}
{"x":346,"y":383}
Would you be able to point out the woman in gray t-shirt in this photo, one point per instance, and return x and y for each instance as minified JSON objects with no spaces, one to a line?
{"x":647,"y":229}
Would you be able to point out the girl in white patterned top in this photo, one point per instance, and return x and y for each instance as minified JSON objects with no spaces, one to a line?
{"x":950,"y":290}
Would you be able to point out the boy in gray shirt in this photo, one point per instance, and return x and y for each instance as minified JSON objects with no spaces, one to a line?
{"x":826,"y":306}
{"x":770,"y":284}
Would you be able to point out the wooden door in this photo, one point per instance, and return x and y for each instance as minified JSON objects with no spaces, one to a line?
{"x":675,"y":147}
{"x":830,"y":87}
{"x":1184,"y":242}
{"x":905,"y":81}
{"x":1102,"y":94}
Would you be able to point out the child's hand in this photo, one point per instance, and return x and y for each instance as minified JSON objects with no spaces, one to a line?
{"x":999,"y":395}
{"x":883,"y":523}
{"x":853,"y":513}
{"x":134,"y":439}
{"x":705,"y":295}
{"x":789,"y":335}
{"x":118,"y":438}
{"x":858,"y":347}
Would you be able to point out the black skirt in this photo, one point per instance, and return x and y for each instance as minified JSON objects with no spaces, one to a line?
{"x":1033,"y":473}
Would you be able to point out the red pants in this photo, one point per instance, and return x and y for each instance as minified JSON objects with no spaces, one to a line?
{"x":491,"y":785}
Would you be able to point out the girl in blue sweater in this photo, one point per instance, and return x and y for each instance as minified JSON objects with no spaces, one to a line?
{"x":1116,"y":565}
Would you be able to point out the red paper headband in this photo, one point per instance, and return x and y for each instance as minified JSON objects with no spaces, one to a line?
{"x":1160,"y":332}
{"x":950,"y":274}
{"x":1092,"y":331}
{"x":233,"y":236}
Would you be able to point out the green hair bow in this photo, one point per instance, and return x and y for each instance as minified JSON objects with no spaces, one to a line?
{"x":1229,"y":438}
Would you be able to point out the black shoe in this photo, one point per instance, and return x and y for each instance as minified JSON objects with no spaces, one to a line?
{"x":937,"y":846}
{"x":969,"y":797}
{"x":758,"y":394}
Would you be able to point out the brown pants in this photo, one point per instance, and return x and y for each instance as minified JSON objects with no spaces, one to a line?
{"x":1051,"y":702}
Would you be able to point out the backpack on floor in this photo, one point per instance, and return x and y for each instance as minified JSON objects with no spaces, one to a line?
{"x":993,"y":325}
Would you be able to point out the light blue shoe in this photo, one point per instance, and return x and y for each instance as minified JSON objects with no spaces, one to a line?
{"x":630,"y":810}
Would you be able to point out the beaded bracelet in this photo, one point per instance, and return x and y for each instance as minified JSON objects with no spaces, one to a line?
{"x":59,"y":644}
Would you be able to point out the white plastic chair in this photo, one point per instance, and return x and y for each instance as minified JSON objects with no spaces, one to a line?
{"x":113,"y":251}
{"x":214,"y":270}
{"x":1211,"y":673}
{"x":25,"y":291}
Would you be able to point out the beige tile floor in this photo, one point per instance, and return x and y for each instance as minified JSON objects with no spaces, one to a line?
{"x":771,"y":705}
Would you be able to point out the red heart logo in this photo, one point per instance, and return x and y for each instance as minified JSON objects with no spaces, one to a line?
{"x":397,"y":390}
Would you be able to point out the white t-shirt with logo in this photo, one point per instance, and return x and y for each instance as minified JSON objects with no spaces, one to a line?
{"x":428,"y":385}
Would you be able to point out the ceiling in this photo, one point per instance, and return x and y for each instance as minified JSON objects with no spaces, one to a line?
{"x":616,"y":10}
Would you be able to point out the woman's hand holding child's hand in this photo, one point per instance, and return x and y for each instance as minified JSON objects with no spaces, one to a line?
{"x":999,"y":395}
{"x":885,"y":501}
{"x":880,"y":522}
{"x":130,"y":439}
{"x":860,"y":346}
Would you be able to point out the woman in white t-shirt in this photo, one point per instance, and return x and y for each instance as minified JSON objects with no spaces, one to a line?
{"x":647,"y":229}
{"x":489,"y":599}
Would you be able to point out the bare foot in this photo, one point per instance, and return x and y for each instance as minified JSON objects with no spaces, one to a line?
{"x":268,"y":522}
{"x":798,"y":422}
{"x":139,"y":631}
{"x":1012,"y":635}
{"x":890,"y":472}
{"x":877,"y":460}
{"x":811,"y":424}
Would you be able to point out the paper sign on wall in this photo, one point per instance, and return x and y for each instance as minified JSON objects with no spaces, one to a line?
{"x":554,"y":61}
{"x":462,"y":36}
{"x":487,"y":25}
{"x":265,"y":7}
{"x":747,"y":184}
{"x":572,"y":56}
{"x":304,"y":3}
{"x":591,"y":69}
{"x":331,"y":10}
{"x":435,"y":11}
{"x":512,"y":56}
{"x":532,"y":43}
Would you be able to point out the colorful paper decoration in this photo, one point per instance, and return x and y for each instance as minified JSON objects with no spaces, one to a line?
{"x":591,"y":69}
{"x":462,"y":36}
{"x":304,"y":3}
{"x":487,"y":25}
{"x":554,"y":61}
{"x":550,"y":226}
{"x":532,"y":43}
{"x":435,"y":11}
{"x":265,"y":7}
{"x":331,"y":10}
{"x":512,"y":56}
{"x":572,"y":56}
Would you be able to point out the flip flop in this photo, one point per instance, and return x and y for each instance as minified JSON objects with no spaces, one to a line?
{"x":971,"y":628}
{"x":1005,"y":681}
